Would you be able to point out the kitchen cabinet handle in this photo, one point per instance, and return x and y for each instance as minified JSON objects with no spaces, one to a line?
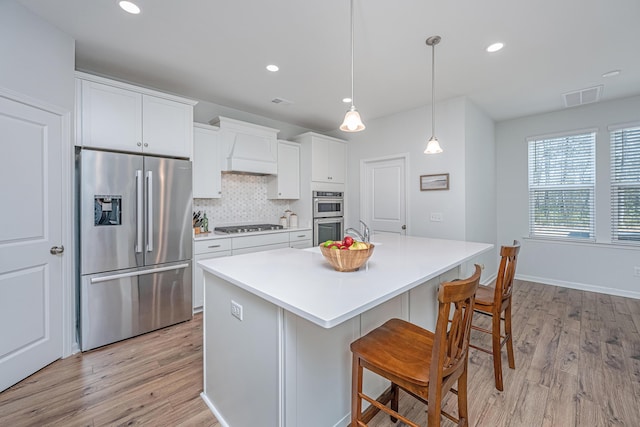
{"x":149,"y":211}
{"x":139,"y":144}
{"x":301,"y":235}
{"x":139,"y":208}
{"x":213,"y":246}
{"x":146,"y":144}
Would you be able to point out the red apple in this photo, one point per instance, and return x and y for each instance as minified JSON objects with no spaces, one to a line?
{"x":347,"y":241}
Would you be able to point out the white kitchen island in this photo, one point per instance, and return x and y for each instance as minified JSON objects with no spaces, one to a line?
{"x":287,"y":362}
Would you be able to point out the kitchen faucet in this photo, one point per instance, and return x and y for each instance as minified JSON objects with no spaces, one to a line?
{"x":364,"y":236}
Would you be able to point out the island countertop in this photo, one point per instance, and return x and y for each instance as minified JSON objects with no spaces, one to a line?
{"x":304,"y":283}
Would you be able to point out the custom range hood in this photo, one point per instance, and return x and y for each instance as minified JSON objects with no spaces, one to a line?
{"x":247,"y":148}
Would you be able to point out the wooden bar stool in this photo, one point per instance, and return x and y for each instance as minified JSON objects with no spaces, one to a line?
{"x":423,"y":363}
{"x":495,"y":301}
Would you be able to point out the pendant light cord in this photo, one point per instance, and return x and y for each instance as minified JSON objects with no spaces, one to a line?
{"x":433,"y":90}
{"x":352,"y":101}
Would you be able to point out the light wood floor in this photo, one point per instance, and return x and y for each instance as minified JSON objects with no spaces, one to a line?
{"x":577,"y":364}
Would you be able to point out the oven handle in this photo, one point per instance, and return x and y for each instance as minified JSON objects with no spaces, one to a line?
{"x":328,"y":220}
{"x":328,"y":200}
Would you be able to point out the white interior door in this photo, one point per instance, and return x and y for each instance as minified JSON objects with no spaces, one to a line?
{"x":31,"y":224}
{"x":383,"y":195}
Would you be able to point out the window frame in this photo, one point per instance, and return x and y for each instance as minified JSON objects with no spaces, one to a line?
{"x":628,"y":182}
{"x":538,"y":232}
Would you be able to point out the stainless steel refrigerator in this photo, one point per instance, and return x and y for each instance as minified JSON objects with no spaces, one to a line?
{"x":135,"y":240}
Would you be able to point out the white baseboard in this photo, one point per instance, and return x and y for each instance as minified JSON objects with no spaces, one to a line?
{"x":213,"y":409}
{"x":580,"y":286}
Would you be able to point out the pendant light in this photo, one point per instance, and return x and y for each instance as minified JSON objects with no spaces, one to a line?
{"x":433,"y":146}
{"x":352,"y":121}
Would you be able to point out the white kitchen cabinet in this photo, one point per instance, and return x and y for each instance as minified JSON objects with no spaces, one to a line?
{"x":328,"y":157}
{"x":206,"y":249}
{"x":118,"y":116}
{"x":286,"y":184}
{"x":301,"y":239}
{"x":327,"y":160}
{"x":207,"y":179}
{"x":258,"y":243}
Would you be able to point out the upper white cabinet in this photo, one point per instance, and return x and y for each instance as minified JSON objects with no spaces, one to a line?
{"x":327,"y":157}
{"x":122,"y":117}
{"x":286,"y":185}
{"x":207,"y":180}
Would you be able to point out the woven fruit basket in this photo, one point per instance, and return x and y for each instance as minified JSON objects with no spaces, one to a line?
{"x":347,"y":260}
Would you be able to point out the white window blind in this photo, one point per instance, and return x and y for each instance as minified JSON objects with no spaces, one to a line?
{"x":562,"y":186}
{"x":625,"y":185}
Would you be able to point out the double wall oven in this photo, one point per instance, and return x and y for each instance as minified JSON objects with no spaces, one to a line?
{"x":328,"y":216}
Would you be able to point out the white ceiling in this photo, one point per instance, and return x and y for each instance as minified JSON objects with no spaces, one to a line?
{"x":216,"y":51}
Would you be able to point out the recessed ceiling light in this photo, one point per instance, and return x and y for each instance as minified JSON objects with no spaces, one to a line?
{"x":129,"y":7}
{"x":495,"y":47}
{"x":273,"y":68}
{"x":346,"y":100}
{"x":611,"y":73}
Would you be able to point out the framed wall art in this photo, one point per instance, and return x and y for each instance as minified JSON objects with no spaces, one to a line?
{"x":434,"y":182}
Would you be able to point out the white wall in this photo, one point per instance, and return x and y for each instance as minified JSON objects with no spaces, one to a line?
{"x":599,"y":267}
{"x":37,"y":59}
{"x":481,"y":222}
{"x":466,"y":135}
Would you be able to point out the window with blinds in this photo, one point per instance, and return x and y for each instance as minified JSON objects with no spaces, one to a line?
{"x":562,"y":186}
{"x":625,"y":185}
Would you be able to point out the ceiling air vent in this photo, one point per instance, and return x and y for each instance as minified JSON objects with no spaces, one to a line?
{"x":281,"y":101}
{"x":583,"y":96}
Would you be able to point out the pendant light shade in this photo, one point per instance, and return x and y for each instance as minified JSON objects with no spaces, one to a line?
{"x":433,"y":146}
{"x":352,"y":121}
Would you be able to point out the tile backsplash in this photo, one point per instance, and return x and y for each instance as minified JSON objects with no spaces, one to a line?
{"x":244,"y":201}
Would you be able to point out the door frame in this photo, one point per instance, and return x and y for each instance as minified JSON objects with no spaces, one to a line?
{"x":364,"y":211}
{"x":68,"y":279}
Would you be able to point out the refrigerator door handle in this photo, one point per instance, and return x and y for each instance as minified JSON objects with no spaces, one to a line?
{"x":139,"y":211}
{"x":137,"y":273}
{"x":149,"y":211}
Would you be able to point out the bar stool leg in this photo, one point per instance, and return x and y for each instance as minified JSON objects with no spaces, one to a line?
{"x":356,"y":388}
{"x":497,"y":359}
{"x":507,"y":327}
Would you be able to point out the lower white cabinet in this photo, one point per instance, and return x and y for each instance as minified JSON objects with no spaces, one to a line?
{"x":301,"y":239}
{"x":259,"y":242}
{"x":206,"y":249}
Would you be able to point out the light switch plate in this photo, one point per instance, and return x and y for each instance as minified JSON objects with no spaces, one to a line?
{"x":236,"y":310}
{"x":436,"y":216}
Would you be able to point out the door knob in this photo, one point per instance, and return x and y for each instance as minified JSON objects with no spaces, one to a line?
{"x":404,"y":227}
{"x":55,"y":250}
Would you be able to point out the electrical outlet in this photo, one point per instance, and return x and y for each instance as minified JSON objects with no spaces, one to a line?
{"x":636,"y":271}
{"x":236,"y":310}
{"x":436,"y":216}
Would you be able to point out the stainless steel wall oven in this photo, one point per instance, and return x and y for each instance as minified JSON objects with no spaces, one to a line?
{"x":328,"y":216}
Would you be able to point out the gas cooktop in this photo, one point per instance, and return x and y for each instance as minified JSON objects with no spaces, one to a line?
{"x":232,"y":229}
